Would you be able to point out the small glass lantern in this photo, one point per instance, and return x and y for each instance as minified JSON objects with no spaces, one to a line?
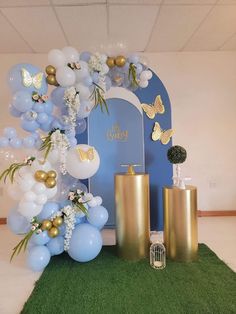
{"x":157,"y":256}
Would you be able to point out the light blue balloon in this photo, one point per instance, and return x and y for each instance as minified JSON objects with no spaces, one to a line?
{"x":46,"y":127}
{"x":133,"y":58}
{"x":108,"y":82}
{"x":48,"y":107}
{"x":95,"y":77}
{"x":22,"y":101}
{"x":38,"y":107}
{"x":56,"y":245}
{"x":42,"y":118}
{"x":81,"y":125}
{"x":48,"y":210}
{"x":28,"y":142}
{"x":15,"y":142}
{"x":97,"y":216}
{"x":38,"y":257}
{"x":29,"y":115}
{"x":56,"y":124}
{"x":70,"y":133}
{"x":57,"y":96}
{"x":35,"y":135}
{"x":38,"y":143}
{"x":4,"y":142}
{"x":15,"y":79}
{"x":88,"y":81}
{"x":17,"y":223}
{"x":85,"y":243}
{"x":85,"y":56}
{"x":79,"y":220}
{"x":72,"y":141}
{"x":14,"y":112}
{"x":41,"y":238}
{"x":62,"y":229}
{"x":29,"y":126}
{"x":139,"y":68}
{"x":10,"y":132}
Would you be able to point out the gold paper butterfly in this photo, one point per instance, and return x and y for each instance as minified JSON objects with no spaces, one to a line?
{"x":159,"y":134}
{"x":86,"y":156}
{"x":152,"y":110}
{"x":29,"y":80}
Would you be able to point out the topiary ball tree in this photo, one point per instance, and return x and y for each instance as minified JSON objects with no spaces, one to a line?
{"x":176,"y":154}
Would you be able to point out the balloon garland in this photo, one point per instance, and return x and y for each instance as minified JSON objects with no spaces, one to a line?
{"x":55,"y":212}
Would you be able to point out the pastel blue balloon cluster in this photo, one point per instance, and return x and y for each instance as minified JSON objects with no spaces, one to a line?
{"x":11,"y":139}
{"x":34,"y":114}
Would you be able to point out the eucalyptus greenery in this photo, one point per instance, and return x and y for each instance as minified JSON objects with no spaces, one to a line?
{"x":97,"y":96}
{"x":176,"y":154}
{"x":11,"y":171}
{"x":133,"y":75}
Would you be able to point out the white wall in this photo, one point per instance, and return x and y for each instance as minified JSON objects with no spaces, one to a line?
{"x":202,"y":90}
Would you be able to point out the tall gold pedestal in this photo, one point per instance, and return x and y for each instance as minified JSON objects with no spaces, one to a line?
{"x":132,"y":215}
{"x":180,"y":223}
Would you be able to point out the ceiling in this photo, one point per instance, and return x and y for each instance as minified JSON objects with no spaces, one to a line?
{"x":36,"y":26}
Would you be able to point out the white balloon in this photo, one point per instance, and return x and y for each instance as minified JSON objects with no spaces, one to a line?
{"x":39,"y":188}
{"x":65,"y":76}
{"x":53,"y":156}
{"x":36,"y":165}
{"x":51,"y":192}
{"x":93,"y":202}
{"x":98,"y":200}
{"x":145,"y":75}
{"x":14,"y":192}
{"x":29,"y":209}
{"x":143,"y":84}
{"x":88,"y":197}
{"x":56,"y":58}
{"x":26,"y":182}
{"x":29,"y":196}
{"x":79,"y":168}
{"x":71,"y":54}
{"x":41,"y":199}
{"x":85,"y":109}
{"x":84,"y":91}
{"x":82,"y":72}
{"x":149,"y":74}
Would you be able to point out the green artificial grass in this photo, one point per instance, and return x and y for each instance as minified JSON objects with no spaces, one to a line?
{"x":111,"y":285}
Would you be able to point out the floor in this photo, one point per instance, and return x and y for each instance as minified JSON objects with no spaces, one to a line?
{"x":17,"y":282}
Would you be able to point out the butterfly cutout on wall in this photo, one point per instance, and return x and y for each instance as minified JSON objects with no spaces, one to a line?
{"x":29,"y":80}
{"x":86,"y":156}
{"x":163,"y":135}
{"x":153,"y":109}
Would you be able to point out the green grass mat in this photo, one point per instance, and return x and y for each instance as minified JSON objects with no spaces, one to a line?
{"x":111,"y":285}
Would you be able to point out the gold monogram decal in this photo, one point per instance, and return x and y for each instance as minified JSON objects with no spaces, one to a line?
{"x":116,"y":134}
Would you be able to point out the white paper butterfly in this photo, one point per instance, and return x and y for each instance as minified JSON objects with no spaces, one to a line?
{"x":29,"y":80}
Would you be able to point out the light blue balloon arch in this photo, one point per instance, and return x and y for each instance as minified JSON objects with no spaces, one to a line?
{"x":156,"y":163}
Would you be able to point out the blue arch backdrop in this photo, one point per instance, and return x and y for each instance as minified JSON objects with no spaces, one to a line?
{"x":156,"y":163}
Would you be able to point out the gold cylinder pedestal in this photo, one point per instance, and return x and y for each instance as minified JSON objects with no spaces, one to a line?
{"x":180,"y":223}
{"x":132,"y":215}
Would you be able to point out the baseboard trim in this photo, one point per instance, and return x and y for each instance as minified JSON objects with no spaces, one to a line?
{"x":216,"y":213}
{"x":3,"y":221}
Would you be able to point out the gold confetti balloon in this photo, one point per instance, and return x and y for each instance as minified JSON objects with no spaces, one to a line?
{"x":50,"y":70}
{"x":57,"y":222}
{"x":111,"y":62}
{"x":53,"y":232}
{"x":120,"y":61}
{"x":52,"y":174}
{"x":46,"y":225}
{"x":40,"y":176}
{"x":50,"y":183}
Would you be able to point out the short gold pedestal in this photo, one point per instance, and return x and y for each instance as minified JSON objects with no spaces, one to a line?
{"x":132,"y":215}
{"x":180,"y":223}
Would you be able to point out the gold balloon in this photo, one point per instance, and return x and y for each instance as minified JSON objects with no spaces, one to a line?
{"x":40,"y":176}
{"x":58,"y":221}
{"x":120,"y":61}
{"x":53,"y":232}
{"x":46,"y":225}
{"x":50,"y":183}
{"x":111,"y":62}
{"x":50,"y":70}
{"x":51,"y":80}
{"x":52,"y":174}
